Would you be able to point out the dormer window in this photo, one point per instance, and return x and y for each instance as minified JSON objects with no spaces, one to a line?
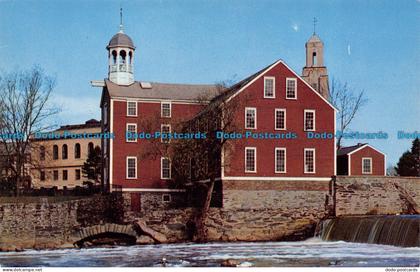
{"x":269,"y":87}
{"x":291,"y":88}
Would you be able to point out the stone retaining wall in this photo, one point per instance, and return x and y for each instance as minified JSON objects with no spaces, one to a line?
{"x":361,"y":195}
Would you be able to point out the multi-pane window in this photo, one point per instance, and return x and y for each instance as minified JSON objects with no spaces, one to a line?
{"x":131,"y":133}
{"x":64,"y":152}
{"x":250,"y":118}
{"x":42,"y":175}
{"x":55,"y":152}
{"x":280,"y":119}
{"x":366,"y":165}
{"x":55,"y":175}
{"x":65,"y":174}
{"x":131,"y":108}
{"x":77,"y":174}
{"x":165,"y":133}
{"x":165,"y":108}
{"x":309,"y":160}
{"x":280,"y":160}
{"x":131,"y":168}
{"x":269,"y":87}
{"x":250,"y":159}
{"x":165,"y":168}
{"x":291,"y":88}
{"x":309,"y":120}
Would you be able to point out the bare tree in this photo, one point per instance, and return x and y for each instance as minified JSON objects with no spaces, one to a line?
{"x":24,"y":97}
{"x":196,"y":161}
{"x":348,"y":102}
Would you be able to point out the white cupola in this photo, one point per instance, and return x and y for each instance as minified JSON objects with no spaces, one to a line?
{"x":121,"y":58}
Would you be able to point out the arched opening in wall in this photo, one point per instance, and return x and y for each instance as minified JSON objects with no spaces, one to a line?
{"x":130,"y":57}
{"x":64,"y":152}
{"x":55,"y":152}
{"x":90,"y":148}
{"x":77,"y":151}
{"x":314,"y":59}
{"x":114,"y":57}
{"x":123,"y":56}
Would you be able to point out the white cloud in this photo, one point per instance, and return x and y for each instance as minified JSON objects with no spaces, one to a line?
{"x":348,"y":50}
{"x":295,"y":27}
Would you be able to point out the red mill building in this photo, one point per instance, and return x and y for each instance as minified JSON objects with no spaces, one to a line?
{"x":278,"y":101}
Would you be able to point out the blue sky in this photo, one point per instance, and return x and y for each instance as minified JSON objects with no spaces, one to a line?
{"x":371,"y":45}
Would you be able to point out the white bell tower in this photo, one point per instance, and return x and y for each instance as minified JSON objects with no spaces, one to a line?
{"x":121,"y":57}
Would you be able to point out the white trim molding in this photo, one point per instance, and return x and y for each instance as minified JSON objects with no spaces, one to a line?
{"x":126,"y":167}
{"x":275,"y":160}
{"x":126,"y":130}
{"x":305,"y":111}
{"x":128,"y":107}
{"x":295,"y":80}
{"x":371,"y":165}
{"x":161,"y":168}
{"x":274,"y":86}
{"x":255,"y":159}
{"x":170,"y":109}
{"x":304,"y":160}
{"x":152,"y":190}
{"x":279,"y":178}
{"x":255,"y":117}
{"x":275,"y":118}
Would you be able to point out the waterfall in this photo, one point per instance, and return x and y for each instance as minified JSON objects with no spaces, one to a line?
{"x":402,"y":230}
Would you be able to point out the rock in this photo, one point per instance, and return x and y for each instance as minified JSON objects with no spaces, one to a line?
{"x":230,"y":263}
{"x":157,"y":236}
{"x":144,"y":240}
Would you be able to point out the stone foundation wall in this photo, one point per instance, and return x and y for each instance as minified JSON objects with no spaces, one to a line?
{"x":361,"y":195}
{"x":46,"y":223}
{"x":252,"y":211}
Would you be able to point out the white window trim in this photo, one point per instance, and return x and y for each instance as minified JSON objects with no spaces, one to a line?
{"x":274,"y":87}
{"x":255,"y":159}
{"x":132,"y":101}
{"x":161,"y":168}
{"x":126,"y":167}
{"x":161,"y":109}
{"x":275,"y":119}
{"x":275,"y":160}
{"x":255,"y":121}
{"x":304,"y":160}
{"x":295,"y":80}
{"x":304,"y":120}
{"x":163,"y":198}
{"x":371,"y":165}
{"x":126,"y":130}
{"x":161,"y":132}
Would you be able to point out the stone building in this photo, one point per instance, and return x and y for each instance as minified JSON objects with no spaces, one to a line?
{"x":58,"y":156}
{"x":315,"y":72}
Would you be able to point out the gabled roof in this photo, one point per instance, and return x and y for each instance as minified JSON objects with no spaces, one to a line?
{"x":354,"y":148}
{"x":157,"y":90}
{"x":240,"y":86}
{"x":92,"y":123}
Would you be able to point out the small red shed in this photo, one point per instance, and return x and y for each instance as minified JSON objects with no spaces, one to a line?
{"x":360,"y":159}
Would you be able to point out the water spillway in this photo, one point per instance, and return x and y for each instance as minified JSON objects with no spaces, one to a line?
{"x":398,"y":230}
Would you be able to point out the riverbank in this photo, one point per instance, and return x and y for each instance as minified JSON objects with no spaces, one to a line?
{"x":311,"y":252}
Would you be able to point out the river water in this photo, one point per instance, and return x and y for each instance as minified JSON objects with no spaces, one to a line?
{"x":312,"y":252}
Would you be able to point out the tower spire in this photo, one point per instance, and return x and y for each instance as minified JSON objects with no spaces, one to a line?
{"x":121,"y":21}
{"x":315,"y":21}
